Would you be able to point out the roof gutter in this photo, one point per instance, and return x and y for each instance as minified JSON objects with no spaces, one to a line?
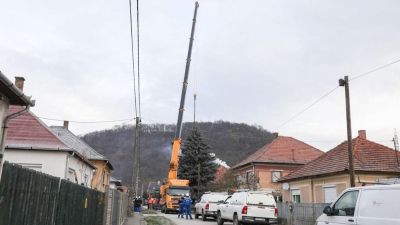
{"x":4,"y":133}
{"x":27,"y":100}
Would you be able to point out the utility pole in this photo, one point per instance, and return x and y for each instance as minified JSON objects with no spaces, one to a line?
{"x":345,"y":82}
{"x":194,"y":109}
{"x":396,"y":147}
{"x":136,"y":161}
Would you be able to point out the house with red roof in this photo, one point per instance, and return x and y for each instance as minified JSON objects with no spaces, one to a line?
{"x":267,"y":165}
{"x":30,"y":143}
{"x":10,"y":95}
{"x":323,"y":179}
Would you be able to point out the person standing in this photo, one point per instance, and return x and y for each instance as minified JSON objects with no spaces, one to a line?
{"x":188,"y":204}
{"x":181,"y":202}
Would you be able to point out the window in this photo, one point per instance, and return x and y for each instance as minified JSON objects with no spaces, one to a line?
{"x":249,"y":177}
{"x":296,"y":195}
{"x":276,"y":175}
{"x":330,"y":193}
{"x":346,"y":204}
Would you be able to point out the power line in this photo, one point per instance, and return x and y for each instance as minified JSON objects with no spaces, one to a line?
{"x":78,"y":121}
{"x":331,"y":91}
{"x":308,"y":107}
{"x":375,"y":69}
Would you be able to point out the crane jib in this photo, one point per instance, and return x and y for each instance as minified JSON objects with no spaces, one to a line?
{"x":186,"y":77}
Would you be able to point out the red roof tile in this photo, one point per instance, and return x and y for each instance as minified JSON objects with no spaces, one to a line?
{"x":368,"y":156}
{"x":283,"y":150}
{"x":27,"y":131}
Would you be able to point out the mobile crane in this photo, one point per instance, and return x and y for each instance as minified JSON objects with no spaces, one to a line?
{"x":173,"y":188}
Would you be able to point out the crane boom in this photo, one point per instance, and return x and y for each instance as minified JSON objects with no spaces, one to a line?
{"x":173,"y":169}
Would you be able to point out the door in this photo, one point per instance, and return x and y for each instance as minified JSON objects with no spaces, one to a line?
{"x":344,"y":209}
{"x":224,"y":207}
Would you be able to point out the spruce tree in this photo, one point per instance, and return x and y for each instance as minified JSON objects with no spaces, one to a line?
{"x":196,"y":163}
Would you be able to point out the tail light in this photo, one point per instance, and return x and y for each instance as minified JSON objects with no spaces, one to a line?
{"x":207,"y":206}
{"x":276,"y":212}
{"x":244,"y":210}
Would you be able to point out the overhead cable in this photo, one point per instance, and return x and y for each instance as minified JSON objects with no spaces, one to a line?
{"x":78,"y":121}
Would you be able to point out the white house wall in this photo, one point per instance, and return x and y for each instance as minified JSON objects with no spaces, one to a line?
{"x":79,"y":172}
{"x":50,"y":162}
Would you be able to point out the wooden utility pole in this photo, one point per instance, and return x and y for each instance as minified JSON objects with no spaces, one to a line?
{"x":345,"y":82}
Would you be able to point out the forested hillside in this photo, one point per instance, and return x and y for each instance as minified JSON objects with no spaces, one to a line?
{"x":230,"y":142}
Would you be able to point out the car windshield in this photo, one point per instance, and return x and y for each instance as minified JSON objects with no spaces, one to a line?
{"x":217,"y":198}
{"x":260,"y":199}
{"x":174,"y":191}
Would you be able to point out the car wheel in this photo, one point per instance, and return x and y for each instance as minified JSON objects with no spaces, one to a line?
{"x":220,"y":221}
{"x":196,"y":216}
{"x":236,"y":220}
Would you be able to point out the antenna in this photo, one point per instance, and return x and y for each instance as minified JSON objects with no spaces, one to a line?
{"x":396,"y":146}
{"x":396,"y":141}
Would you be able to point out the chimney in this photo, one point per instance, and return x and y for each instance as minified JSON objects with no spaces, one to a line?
{"x":19,"y":82}
{"x":275,"y":134}
{"x":66,"y":123}
{"x":362,"y":134}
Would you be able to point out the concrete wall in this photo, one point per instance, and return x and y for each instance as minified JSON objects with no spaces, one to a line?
{"x":50,"y":162}
{"x":312,"y":190}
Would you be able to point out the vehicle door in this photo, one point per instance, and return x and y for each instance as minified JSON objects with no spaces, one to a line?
{"x":379,"y":206}
{"x":222,"y":207}
{"x":343,"y":210}
{"x":229,"y":207}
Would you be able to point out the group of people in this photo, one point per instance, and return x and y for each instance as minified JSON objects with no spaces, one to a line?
{"x":185,"y":204}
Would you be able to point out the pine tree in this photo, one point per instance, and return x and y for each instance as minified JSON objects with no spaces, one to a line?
{"x":196,"y":163}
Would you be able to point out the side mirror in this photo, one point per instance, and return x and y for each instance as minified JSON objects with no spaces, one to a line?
{"x":328,"y":211}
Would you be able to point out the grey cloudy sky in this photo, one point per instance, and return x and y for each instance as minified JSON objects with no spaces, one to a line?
{"x":257,"y":61}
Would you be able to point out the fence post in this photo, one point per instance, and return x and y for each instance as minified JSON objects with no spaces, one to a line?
{"x":106,"y":202}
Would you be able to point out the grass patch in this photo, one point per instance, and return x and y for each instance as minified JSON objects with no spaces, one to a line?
{"x":149,"y":211}
{"x":158,"y":220}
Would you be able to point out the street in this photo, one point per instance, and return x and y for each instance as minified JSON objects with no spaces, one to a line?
{"x":180,"y":221}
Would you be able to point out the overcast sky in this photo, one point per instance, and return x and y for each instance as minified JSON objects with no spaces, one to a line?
{"x":258,"y":62}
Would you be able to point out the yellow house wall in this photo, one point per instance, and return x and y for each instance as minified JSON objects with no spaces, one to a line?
{"x":102,"y":175}
{"x":312,"y":189}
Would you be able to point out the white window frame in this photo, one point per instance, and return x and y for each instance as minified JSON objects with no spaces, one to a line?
{"x":295,"y":192}
{"x":327,"y":187}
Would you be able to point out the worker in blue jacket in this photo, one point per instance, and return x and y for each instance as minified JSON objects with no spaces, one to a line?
{"x":181,"y":203}
{"x":188,"y":204}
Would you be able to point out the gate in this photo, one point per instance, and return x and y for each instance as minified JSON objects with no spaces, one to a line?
{"x":299,"y":213}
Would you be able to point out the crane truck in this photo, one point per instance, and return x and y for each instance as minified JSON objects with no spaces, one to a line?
{"x":173,"y":188}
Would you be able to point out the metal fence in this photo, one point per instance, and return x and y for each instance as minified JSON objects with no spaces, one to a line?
{"x":299,"y":213}
{"x":28,"y":197}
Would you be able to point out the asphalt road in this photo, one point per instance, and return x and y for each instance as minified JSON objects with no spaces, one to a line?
{"x":180,"y":221}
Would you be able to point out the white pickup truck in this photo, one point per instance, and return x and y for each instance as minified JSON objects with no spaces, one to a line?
{"x":248,"y":207}
{"x":207,"y":206}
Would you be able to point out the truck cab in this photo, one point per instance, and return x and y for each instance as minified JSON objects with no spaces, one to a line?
{"x":171,"y":192}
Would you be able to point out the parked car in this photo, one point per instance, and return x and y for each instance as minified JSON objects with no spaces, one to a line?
{"x":248,"y":207}
{"x":207,"y":206}
{"x":371,"y":205}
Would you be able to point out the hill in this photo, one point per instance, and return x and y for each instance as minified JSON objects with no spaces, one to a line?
{"x":230,"y":142}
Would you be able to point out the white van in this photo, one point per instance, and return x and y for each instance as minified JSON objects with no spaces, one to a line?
{"x":248,"y":207}
{"x":372,"y":205}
